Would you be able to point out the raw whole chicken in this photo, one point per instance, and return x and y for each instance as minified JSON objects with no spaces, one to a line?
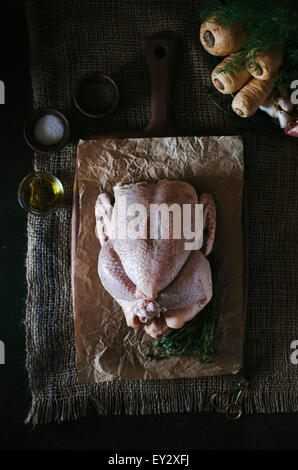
{"x":159,"y":283}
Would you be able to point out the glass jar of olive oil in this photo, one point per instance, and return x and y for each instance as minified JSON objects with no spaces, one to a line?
{"x":40,"y":193}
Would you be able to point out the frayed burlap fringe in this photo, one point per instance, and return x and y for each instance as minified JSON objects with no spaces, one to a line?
{"x":110,"y":402}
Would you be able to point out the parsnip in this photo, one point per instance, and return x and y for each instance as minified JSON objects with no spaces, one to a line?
{"x":252,"y":95}
{"x":231,"y":81}
{"x":219,"y":40}
{"x":266,"y":63}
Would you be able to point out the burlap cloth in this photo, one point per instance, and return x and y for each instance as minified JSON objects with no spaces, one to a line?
{"x":68,"y":39}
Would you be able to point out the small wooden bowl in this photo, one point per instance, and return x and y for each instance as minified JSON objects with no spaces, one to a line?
{"x":30,"y":126}
{"x":97,"y":95}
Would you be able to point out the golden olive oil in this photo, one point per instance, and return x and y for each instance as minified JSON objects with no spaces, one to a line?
{"x":41,"y":193}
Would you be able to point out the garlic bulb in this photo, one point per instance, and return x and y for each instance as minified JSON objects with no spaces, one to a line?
{"x":279,"y":106}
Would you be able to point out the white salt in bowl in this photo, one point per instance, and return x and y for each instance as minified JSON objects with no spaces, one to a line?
{"x":46,"y":130}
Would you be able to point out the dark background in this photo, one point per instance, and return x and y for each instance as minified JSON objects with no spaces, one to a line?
{"x":176,"y":432}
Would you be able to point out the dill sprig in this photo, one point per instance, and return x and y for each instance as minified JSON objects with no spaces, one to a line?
{"x":252,"y":123}
{"x":196,"y":337}
{"x":268,"y":24}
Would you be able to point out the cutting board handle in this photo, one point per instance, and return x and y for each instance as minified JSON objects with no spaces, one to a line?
{"x":160,"y":55}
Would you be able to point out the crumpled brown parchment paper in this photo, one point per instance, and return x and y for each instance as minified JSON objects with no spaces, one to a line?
{"x":106,"y":348}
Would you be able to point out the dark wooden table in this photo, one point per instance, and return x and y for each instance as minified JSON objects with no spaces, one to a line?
{"x":115,"y":433}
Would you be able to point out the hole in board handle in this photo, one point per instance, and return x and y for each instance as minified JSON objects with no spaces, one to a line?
{"x":160,"y":52}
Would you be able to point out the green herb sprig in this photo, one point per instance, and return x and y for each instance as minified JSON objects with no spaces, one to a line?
{"x":196,"y":337}
{"x":252,"y":123}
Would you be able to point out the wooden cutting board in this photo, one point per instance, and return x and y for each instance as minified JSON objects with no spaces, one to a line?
{"x":160,"y":55}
